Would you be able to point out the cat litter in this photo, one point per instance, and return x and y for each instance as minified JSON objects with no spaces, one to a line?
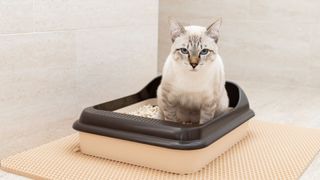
{"x":148,"y":111}
{"x":126,"y":130}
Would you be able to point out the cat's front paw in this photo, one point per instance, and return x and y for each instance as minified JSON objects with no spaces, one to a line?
{"x":159,"y":115}
{"x":170,"y":119}
{"x":205,"y":119}
{"x":170,"y":116}
{"x":202,"y":121}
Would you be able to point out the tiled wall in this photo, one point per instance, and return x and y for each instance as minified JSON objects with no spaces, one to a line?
{"x":261,"y":40}
{"x":58,"y":56}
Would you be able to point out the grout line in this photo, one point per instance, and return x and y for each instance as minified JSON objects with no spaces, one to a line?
{"x":76,"y":29}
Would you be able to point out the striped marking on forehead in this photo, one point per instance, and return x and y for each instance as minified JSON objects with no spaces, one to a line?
{"x":195,"y":41}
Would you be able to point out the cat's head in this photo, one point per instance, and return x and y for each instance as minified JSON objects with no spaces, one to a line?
{"x":194,"y":47}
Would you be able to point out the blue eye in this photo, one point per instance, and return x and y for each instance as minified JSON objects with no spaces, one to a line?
{"x":184,"y":51}
{"x":204,"y":51}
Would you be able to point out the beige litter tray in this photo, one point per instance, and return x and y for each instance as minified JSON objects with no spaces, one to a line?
{"x":106,"y":130}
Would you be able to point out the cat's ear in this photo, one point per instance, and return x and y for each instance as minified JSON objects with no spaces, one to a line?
{"x":213,"y":30}
{"x":176,"y":29}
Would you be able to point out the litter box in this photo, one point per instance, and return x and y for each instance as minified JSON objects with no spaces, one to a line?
{"x":105,"y":130}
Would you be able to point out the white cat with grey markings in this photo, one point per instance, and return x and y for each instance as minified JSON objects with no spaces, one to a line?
{"x":192,"y":87}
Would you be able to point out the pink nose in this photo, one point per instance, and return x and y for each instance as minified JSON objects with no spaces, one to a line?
{"x":194,"y":65}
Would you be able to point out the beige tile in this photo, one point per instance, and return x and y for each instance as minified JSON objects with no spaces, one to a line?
{"x":315,"y":44}
{"x":15,"y":49}
{"x":28,"y":84}
{"x":38,"y":82}
{"x":16,"y":16}
{"x":233,"y":10}
{"x":26,"y":96}
{"x":37,"y":77}
{"x":282,"y":103}
{"x":298,"y":11}
{"x":22,"y":52}
{"x":55,"y":49}
{"x":111,"y":60}
{"x":313,"y":75}
{"x":82,"y":14}
{"x":273,"y":52}
{"x":188,"y":10}
{"x":286,"y":39}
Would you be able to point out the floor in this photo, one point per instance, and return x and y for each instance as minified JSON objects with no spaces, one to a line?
{"x":271,"y":102}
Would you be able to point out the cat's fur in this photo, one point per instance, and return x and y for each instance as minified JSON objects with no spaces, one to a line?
{"x":192,"y":87}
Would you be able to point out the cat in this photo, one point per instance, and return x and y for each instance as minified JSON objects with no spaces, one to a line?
{"x":192,"y":89}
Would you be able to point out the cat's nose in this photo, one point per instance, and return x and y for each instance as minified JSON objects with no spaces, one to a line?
{"x":194,"y":65}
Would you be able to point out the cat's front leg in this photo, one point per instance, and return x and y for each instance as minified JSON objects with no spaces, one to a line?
{"x":170,"y":113}
{"x":168,"y":109}
{"x":166,"y":104}
{"x":207,"y":111}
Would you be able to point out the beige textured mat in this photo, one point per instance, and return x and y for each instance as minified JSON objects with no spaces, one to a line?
{"x":270,"y":151}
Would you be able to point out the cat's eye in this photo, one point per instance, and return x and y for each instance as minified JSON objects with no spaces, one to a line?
{"x":204,"y":51}
{"x":184,"y":51}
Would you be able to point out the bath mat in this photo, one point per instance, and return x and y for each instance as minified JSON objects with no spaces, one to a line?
{"x":270,"y":151}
